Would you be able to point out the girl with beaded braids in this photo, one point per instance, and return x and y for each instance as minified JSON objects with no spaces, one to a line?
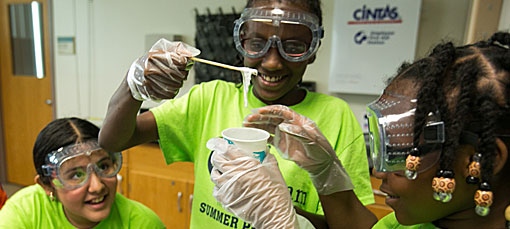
{"x":448,"y":168}
{"x":456,"y":102}
{"x":439,"y":139}
{"x":443,"y":156}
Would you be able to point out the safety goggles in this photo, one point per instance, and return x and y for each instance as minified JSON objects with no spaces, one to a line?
{"x":72,"y":165}
{"x":391,"y":134}
{"x":295,"y":34}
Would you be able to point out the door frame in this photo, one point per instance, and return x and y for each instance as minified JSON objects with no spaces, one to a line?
{"x":51,"y":62}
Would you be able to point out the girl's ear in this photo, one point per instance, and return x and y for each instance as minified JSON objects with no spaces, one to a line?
{"x":47,"y":188}
{"x":501,"y":155}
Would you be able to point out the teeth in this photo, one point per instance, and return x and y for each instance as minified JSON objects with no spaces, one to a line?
{"x":95,"y":201}
{"x":271,"y":78}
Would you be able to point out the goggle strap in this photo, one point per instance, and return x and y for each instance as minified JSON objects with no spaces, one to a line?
{"x":47,"y":170}
{"x":434,"y":132}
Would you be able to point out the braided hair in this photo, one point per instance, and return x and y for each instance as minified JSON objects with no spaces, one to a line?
{"x":469,"y":87}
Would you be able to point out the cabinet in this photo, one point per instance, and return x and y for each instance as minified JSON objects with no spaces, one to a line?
{"x":380,"y":209}
{"x":166,"y":189}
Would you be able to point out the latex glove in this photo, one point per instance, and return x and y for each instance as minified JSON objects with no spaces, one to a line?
{"x":253,"y":191}
{"x":159,"y":74}
{"x":298,"y":138}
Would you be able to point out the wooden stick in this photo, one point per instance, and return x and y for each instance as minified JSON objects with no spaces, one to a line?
{"x":216,"y":64}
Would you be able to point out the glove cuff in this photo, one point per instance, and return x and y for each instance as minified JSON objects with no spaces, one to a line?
{"x":134,"y":84}
{"x":333,"y":178}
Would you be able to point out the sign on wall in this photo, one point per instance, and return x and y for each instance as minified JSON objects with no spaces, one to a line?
{"x":370,"y":39}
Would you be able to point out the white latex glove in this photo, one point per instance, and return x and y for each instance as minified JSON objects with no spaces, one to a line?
{"x":159,"y":74}
{"x":298,"y":138}
{"x":253,"y":191}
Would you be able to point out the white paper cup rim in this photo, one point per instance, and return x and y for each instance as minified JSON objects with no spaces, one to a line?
{"x":245,"y":134}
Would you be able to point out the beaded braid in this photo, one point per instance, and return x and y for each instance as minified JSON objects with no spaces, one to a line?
{"x":487,"y":144}
{"x":436,"y":64}
{"x":462,"y":73}
{"x":487,"y":148}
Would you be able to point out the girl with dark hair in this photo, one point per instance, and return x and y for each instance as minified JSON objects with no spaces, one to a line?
{"x":453,"y":173}
{"x":76,"y":184}
{"x":439,"y":137}
{"x":278,"y":38}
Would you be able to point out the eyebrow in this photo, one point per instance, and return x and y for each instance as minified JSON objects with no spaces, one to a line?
{"x":107,"y":157}
{"x":104,"y":159}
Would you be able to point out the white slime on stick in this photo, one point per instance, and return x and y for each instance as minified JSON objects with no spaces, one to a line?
{"x":245,"y":71}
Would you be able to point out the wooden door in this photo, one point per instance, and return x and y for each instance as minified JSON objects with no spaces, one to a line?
{"x":26,"y":82}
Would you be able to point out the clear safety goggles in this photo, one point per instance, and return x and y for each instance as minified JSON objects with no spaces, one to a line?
{"x":391,"y":133}
{"x":295,"y":34}
{"x":72,"y":165}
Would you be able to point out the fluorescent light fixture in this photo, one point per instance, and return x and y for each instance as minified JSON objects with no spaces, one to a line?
{"x":36,"y":23}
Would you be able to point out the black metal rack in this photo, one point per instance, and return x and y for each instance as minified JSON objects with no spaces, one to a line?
{"x":214,"y":38}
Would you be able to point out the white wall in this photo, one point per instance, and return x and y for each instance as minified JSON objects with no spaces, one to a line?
{"x":110,"y":35}
{"x":504,"y":20}
{"x":436,"y":23}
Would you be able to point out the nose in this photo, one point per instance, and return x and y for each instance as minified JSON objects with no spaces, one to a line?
{"x":379,"y":175}
{"x":96,"y":185}
{"x":272,"y":60}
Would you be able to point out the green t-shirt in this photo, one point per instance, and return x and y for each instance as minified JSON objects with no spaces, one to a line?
{"x":390,"y":222}
{"x":30,"y":207}
{"x":187,"y":123}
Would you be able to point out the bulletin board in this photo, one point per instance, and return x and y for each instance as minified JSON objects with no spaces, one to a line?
{"x":370,"y":39}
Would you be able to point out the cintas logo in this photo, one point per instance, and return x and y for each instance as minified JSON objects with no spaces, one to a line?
{"x":378,"y":15}
{"x":359,"y":37}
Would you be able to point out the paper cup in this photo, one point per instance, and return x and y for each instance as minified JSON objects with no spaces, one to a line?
{"x":250,"y":140}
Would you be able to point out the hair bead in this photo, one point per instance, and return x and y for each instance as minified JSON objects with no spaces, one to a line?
{"x":443,"y":186}
{"x":483,"y":199}
{"x":474,"y":170}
